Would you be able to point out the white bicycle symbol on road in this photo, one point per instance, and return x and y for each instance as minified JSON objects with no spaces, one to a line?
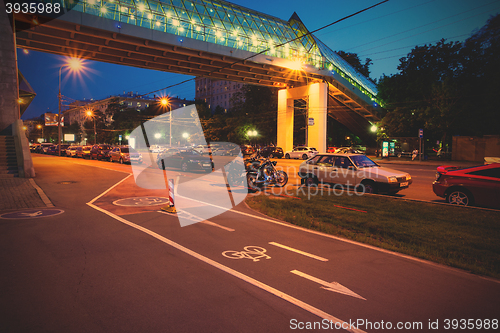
{"x":250,"y":252}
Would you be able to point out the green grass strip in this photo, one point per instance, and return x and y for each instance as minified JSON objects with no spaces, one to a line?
{"x":461,"y":237}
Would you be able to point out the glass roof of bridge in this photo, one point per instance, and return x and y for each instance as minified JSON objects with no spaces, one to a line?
{"x":224,"y":23}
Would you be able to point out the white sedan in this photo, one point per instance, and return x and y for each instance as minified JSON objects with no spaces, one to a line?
{"x":301,"y":152}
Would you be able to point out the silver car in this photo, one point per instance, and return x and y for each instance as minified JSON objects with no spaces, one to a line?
{"x":301,"y":153}
{"x":352,"y":171}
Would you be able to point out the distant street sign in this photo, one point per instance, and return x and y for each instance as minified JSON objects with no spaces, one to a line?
{"x":32,"y":213}
{"x":421,"y":133}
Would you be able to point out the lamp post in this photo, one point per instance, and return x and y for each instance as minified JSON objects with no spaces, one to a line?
{"x":39,"y":126}
{"x":164,"y":102}
{"x":252,"y":134}
{"x":75,"y":65}
{"x":90,"y":114}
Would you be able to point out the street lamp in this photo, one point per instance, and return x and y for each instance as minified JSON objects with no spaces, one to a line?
{"x":165,"y":103}
{"x":252,"y":134}
{"x":157,"y":137}
{"x":39,"y":126}
{"x":74,"y":65}
{"x":90,"y":114}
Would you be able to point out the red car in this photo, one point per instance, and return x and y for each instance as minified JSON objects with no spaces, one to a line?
{"x":331,"y":149}
{"x":478,"y":185}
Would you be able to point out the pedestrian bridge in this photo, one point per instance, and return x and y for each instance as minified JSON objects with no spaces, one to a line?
{"x":214,"y":39}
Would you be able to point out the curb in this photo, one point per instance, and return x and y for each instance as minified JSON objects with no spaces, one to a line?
{"x":41,"y":193}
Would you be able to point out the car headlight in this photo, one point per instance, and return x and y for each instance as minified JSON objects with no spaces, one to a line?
{"x":408,"y":177}
{"x":392,"y":179}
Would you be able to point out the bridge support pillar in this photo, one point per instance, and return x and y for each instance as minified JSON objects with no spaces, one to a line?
{"x":9,"y":107}
{"x":317,"y":109}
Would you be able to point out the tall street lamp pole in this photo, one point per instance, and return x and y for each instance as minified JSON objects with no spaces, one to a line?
{"x":75,"y":65}
{"x":91,"y":114}
{"x":59,"y":115}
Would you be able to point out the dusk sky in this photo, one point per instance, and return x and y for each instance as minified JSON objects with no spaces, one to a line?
{"x":384,"y":34}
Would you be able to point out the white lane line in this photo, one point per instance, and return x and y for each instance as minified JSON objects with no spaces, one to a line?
{"x":231,"y":271}
{"x":198,"y":219}
{"x":299,"y":251}
{"x":109,"y":189}
{"x":331,"y":286}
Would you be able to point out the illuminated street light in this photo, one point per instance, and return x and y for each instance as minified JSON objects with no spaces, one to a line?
{"x":252,"y":134}
{"x":90,"y":114}
{"x":165,"y":103}
{"x":40,"y":127}
{"x":75,"y":65}
{"x":373,"y":128}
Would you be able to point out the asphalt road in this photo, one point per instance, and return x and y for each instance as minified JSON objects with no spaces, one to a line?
{"x":100,"y":267}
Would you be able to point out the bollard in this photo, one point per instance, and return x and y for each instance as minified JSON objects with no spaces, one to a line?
{"x":171,"y":207}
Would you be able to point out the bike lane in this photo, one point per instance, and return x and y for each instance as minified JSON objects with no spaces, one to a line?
{"x":369,"y":284}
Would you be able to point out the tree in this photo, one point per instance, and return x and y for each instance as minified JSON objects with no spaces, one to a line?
{"x":354,"y":61}
{"x":447,"y":88}
{"x":425,"y":93}
{"x":254,"y":107}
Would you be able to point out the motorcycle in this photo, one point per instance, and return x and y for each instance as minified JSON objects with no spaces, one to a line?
{"x":262,"y":172}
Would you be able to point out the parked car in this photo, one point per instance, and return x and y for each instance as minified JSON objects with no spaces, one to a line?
{"x":125,"y":154}
{"x":63,"y":149}
{"x":301,"y":152}
{"x":479,"y":185}
{"x":100,"y":152}
{"x":272,"y":152}
{"x":353,"y":171}
{"x":186,"y":159}
{"x":45,"y":147}
{"x":155,"y":149}
{"x":204,"y":150}
{"x":34,"y":146}
{"x":166,"y":153}
{"x":348,"y":150}
{"x":83,"y":151}
{"x":331,"y":149}
{"x":71,"y":151}
{"x":51,"y":150}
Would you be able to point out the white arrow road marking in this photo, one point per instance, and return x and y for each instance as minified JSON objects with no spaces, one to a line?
{"x":332,"y":286}
{"x":298,"y":251}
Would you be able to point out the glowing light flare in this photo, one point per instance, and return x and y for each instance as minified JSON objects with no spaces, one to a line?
{"x":164,"y":101}
{"x":141,"y":7}
{"x":76,"y":66}
{"x":294,"y":65}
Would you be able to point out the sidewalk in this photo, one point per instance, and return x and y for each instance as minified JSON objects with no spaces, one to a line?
{"x":436,"y":163}
{"x":21,"y":193}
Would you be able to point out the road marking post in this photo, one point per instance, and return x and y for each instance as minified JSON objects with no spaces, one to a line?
{"x":171,"y":207}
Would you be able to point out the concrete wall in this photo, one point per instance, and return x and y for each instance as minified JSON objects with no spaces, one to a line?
{"x":9,"y":108}
{"x":471,"y":148}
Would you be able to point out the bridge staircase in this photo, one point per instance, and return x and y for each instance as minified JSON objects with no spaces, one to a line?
{"x":8,"y":157}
